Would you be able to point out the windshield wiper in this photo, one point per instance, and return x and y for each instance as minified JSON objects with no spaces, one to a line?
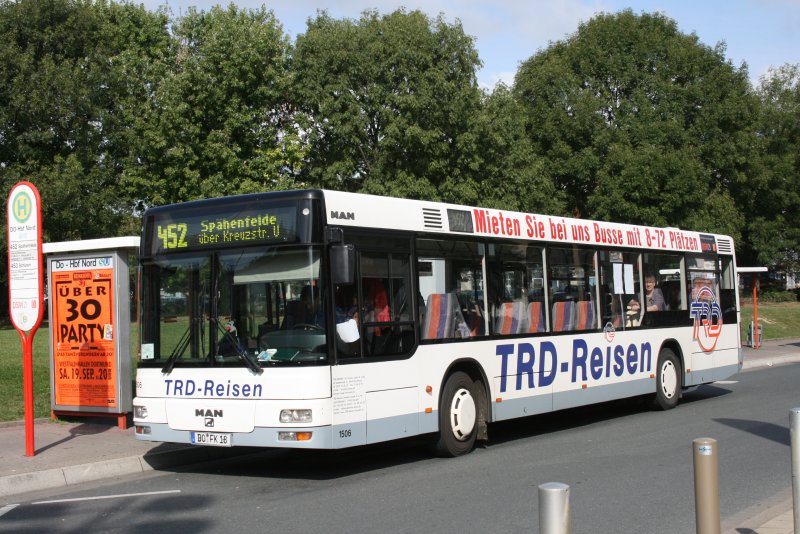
{"x":248,"y":359}
{"x":180,"y":348}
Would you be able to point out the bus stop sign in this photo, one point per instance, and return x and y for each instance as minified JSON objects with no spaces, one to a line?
{"x":25,"y":257}
{"x":25,"y":281}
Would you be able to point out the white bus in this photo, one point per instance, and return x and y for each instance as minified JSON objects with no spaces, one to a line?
{"x":322,"y":319}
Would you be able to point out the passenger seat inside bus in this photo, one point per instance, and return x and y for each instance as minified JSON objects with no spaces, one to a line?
{"x":535,"y":316}
{"x":510,"y":318}
{"x":472,"y":312}
{"x":444,"y":319}
{"x":563,"y":316}
{"x":585,"y":315}
{"x":441,"y":312}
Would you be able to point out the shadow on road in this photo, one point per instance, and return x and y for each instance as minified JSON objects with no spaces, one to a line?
{"x":771,"y":431}
{"x":704,"y":392}
{"x":335,"y":464}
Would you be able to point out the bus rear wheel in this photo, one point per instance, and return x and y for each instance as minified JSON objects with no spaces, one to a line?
{"x":668,"y":380}
{"x":458,"y":417}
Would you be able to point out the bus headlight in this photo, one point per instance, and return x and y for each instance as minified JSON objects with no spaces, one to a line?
{"x":296,"y":416}
{"x":139,"y":412}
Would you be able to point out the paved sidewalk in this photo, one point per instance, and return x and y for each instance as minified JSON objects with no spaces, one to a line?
{"x":69,"y":453}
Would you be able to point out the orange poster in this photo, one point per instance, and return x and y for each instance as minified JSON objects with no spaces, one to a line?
{"x":84,"y":363}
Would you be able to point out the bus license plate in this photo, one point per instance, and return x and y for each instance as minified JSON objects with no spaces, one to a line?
{"x":211,"y":438}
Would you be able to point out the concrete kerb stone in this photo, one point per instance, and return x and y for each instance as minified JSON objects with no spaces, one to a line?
{"x":67,"y":476}
{"x":37,"y":480}
{"x":130,"y":465}
{"x":770,"y":361}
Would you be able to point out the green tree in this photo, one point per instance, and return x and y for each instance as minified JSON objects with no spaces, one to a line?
{"x":70,"y":77}
{"x":500,"y":153}
{"x":775,"y":197}
{"x":218,"y":122}
{"x":640,"y":123}
{"x":71,"y":74}
{"x":388,"y":100}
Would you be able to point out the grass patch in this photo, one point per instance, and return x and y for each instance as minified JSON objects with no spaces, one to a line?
{"x":778,"y":319}
{"x":12,"y":404}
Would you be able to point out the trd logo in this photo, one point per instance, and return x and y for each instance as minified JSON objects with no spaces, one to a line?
{"x":343,"y":215}
{"x":707,"y":316}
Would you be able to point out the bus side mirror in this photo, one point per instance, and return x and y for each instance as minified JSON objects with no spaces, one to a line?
{"x":343,"y":264}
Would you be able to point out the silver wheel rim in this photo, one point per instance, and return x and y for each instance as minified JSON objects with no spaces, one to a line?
{"x":462,"y":414}
{"x":669,"y":379}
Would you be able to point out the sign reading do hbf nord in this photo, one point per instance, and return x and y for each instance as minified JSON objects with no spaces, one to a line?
{"x":24,"y":257}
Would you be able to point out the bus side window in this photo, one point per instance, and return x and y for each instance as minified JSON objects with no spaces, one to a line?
{"x":516,"y":291}
{"x":572,"y":278}
{"x":450,"y":281}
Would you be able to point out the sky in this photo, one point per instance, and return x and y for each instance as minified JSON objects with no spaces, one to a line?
{"x":760,"y":33}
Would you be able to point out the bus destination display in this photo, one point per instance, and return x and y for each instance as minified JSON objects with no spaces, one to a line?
{"x":177,"y":233}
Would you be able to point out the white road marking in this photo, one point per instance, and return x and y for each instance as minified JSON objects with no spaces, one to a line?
{"x":7,"y":508}
{"x":108,"y":497}
{"x":724,"y":382}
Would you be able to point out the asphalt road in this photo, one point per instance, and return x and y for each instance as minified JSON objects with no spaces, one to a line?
{"x":629,"y":470}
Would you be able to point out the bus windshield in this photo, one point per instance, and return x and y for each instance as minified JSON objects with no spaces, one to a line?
{"x":233,"y":308}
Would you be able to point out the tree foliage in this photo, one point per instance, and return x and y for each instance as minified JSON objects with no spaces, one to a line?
{"x":774,"y":235}
{"x":389,"y":99}
{"x":639,"y":123}
{"x":218,"y":121}
{"x":70,"y":80}
{"x":510,"y":173}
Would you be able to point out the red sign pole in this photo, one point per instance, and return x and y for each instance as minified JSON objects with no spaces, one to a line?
{"x":27,"y":390}
{"x":25,"y":285}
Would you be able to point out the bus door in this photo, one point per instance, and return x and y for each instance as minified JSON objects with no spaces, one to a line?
{"x":374,"y":384}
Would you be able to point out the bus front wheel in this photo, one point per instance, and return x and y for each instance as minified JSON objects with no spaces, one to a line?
{"x":458,"y":416}
{"x":668,"y":380}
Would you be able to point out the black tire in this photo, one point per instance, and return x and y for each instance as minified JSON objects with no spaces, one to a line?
{"x":458,"y":417}
{"x":668,"y":380}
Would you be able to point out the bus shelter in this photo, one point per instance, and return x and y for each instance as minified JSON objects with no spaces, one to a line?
{"x":89,"y":302}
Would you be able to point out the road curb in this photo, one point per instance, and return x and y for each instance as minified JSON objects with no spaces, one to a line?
{"x":130,"y":465}
{"x":770,"y":361}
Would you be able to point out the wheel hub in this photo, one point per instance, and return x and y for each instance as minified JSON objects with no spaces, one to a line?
{"x":462,"y":414}
{"x":669,"y":379}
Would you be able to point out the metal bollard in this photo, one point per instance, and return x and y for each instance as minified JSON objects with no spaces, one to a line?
{"x":794,"y":429}
{"x":554,"y":509}
{"x":706,"y":485}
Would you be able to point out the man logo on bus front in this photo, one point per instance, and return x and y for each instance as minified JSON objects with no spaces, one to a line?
{"x":707,"y":317}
